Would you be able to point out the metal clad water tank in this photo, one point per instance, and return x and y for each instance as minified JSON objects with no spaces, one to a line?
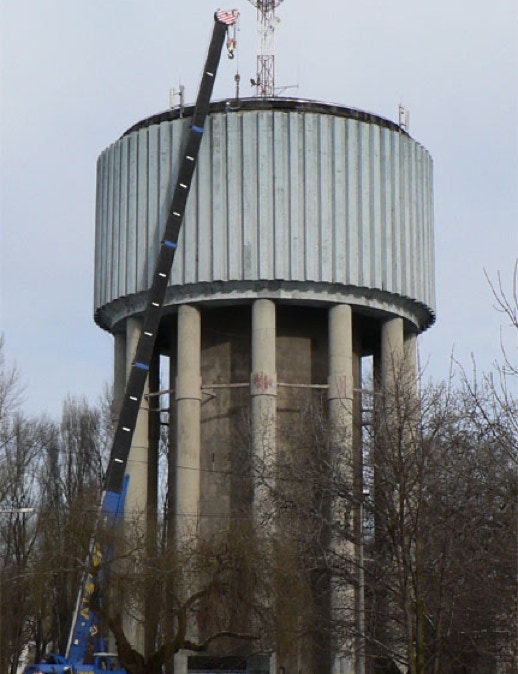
{"x":302,"y":201}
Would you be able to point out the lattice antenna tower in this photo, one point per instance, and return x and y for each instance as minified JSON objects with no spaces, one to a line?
{"x":266,"y":24}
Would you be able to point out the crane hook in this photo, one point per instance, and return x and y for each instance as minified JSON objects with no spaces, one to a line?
{"x":231,"y":46}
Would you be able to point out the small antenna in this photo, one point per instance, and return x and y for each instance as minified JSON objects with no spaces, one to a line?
{"x":180,"y":94}
{"x":404,"y":117}
{"x":264,"y":82}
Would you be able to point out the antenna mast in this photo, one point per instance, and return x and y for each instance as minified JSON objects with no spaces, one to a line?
{"x":266,"y":24}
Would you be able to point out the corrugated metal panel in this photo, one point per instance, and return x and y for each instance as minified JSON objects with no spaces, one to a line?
{"x":277,"y":196}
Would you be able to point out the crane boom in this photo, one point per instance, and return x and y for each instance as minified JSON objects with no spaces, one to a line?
{"x":140,"y":368}
{"x":113,"y":496}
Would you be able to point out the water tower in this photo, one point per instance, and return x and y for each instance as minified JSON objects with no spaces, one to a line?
{"x":307,"y":246}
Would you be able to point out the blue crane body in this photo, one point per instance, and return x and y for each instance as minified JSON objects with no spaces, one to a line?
{"x":101,"y":548}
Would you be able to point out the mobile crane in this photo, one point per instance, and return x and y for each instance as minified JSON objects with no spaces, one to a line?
{"x":101,"y":549}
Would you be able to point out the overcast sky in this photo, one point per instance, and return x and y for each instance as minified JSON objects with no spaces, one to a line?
{"x":75,"y":75}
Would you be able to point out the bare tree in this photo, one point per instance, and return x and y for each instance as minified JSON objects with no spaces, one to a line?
{"x":506,"y":302}
{"x":440,"y":532}
{"x":21,"y":441}
{"x":199,"y":595}
{"x":71,"y":483}
{"x":441,"y":583}
{"x":307,"y":525}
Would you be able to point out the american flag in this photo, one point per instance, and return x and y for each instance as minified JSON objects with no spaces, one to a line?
{"x":228,"y":18}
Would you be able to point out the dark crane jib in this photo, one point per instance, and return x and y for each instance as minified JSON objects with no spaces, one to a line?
{"x":153,"y":313}
{"x":146,"y":343}
{"x":101,"y":548}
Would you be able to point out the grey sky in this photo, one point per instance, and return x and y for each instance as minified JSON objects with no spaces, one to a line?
{"x":75,"y":75}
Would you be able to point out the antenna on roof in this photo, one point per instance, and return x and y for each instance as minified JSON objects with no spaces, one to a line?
{"x":264,"y":82}
{"x":404,"y":117}
{"x":180,"y":94}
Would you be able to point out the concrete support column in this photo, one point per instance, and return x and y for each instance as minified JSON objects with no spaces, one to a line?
{"x":392,"y":351}
{"x":152,"y":502}
{"x":119,"y":373}
{"x":411,"y":353}
{"x":263,"y":390}
{"x":411,"y":364}
{"x":358,"y":485}
{"x":390,"y":415}
{"x":340,"y":400}
{"x":340,"y":378}
{"x":357,"y":437}
{"x":135,"y":508}
{"x":173,"y":435}
{"x":188,"y":410}
{"x":137,"y":468}
{"x":172,"y":582}
{"x":153,"y":406}
{"x":399,"y":374}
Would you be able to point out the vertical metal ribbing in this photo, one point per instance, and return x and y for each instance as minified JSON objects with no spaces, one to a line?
{"x":141,"y":183}
{"x":340,"y":187}
{"x":327,"y":226}
{"x":105,"y":279}
{"x":110,"y":211}
{"x":386,"y":208}
{"x":353,"y":240}
{"x":124,"y":273}
{"x":298,"y":197}
{"x":150,"y":206}
{"x":296,"y":206}
{"x":100,"y":268}
{"x":134,"y":270}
